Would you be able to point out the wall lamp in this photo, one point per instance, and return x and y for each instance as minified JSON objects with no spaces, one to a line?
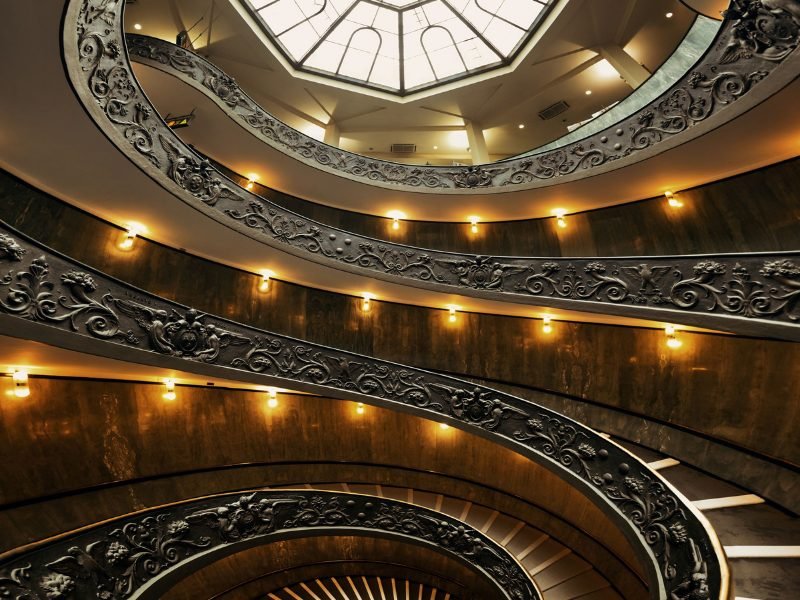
{"x":672,"y":337}
{"x":452,"y":309}
{"x":360,"y":408}
{"x":169,"y":393}
{"x":473,"y":221}
{"x":672,"y":200}
{"x":20,"y":378}
{"x":546,"y":326}
{"x":560,"y":214}
{"x":129,"y":237}
{"x":264,"y":285}
{"x":272,"y":397}
{"x":396,"y":216}
{"x":366,"y":298}
{"x":251,"y":181}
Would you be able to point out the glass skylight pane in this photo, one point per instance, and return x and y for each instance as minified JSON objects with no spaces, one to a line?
{"x":326,"y":57}
{"x":418,"y":72}
{"x":386,"y":20}
{"x":360,"y":39}
{"x":503,"y":36}
{"x":356,"y":64}
{"x":476,"y":54}
{"x":386,"y":72}
{"x":437,"y":12}
{"x":299,"y":40}
{"x":282,"y":15}
{"x":520,"y":12}
{"x":446,"y":62}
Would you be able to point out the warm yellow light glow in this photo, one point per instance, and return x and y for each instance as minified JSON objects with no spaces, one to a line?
{"x":521,"y":125}
{"x":672,"y":200}
{"x":366,"y":298}
{"x":588,"y":92}
{"x":169,"y":386}
{"x":668,"y":15}
{"x":137,"y":26}
{"x":473,"y":221}
{"x":251,"y":180}
{"x":129,"y":237}
{"x":436,"y":147}
{"x":395,"y":216}
{"x":360,"y":408}
{"x":605,"y":69}
{"x":672,"y":337}
{"x":272,"y":397}
{"x":264,"y":284}
{"x":561,"y":216}
{"x":546,"y":326}
{"x":21,"y":389}
{"x":444,"y":426}
{"x":452,"y":310}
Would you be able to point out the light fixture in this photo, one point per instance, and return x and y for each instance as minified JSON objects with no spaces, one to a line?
{"x":436,"y":147}
{"x":129,"y":237}
{"x":546,"y":326}
{"x":588,"y":92}
{"x":473,"y":221}
{"x":264,"y":284}
{"x":395,"y":216}
{"x":668,"y":15}
{"x":521,"y":125}
{"x":365,"y":301}
{"x":272,"y":397}
{"x":672,"y":200}
{"x":21,"y":389}
{"x":360,"y":408}
{"x":137,"y":26}
{"x":452,"y":310}
{"x":561,"y":214}
{"x":251,"y":180}
{"x":672,"y":337}
{"x":169,"y":386}
{"x":444,"y":426}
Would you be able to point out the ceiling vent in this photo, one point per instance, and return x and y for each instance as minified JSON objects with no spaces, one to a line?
{"x":404,"y":148}
{"x":553,"y":110}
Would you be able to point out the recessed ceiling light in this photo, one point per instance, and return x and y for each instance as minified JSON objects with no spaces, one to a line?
{"x":588,"y":92}
{"x":521,"y":125}
{"x":669,"y":15}
{"x":137,"y":26}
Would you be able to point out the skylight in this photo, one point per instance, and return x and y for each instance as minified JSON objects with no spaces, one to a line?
{"x":398,"y":45}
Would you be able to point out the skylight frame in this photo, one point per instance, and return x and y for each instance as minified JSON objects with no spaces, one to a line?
{"x":401,"y":90}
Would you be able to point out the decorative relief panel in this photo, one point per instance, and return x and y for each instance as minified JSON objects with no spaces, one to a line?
{"x":40,"y":286}
{"x":722,"y":291}
{"x":118,"y":559}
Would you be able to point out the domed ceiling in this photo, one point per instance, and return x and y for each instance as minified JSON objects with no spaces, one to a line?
{"x":399,"y":46}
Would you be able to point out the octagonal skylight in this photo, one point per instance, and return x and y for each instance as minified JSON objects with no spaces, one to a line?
{"x":398,"y":45}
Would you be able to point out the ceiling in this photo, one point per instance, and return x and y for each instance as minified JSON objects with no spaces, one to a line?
{"x":561,"y":62}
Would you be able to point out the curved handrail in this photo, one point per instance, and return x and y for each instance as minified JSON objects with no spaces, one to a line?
{"x":140,"y":556}
{"x":58,"y":301}
{"x":756,"y":294}
{"x":752,"y":42}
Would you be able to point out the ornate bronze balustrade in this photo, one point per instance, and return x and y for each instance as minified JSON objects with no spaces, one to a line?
{"x":48,"y":297}
{"x":754,"y":40}
{"x":142,"y":555}
{"x":754,"y":294}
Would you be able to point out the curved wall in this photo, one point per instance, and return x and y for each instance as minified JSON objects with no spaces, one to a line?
{"x":72,"y":438}
{"x":752,"y":212}
{"x":732,"y":390}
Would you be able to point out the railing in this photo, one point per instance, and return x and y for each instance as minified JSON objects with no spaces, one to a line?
{"x":755,"y":294}
{"x":752,"y":42}
{"x":50,"y":298}
{"x":141,"y":556}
